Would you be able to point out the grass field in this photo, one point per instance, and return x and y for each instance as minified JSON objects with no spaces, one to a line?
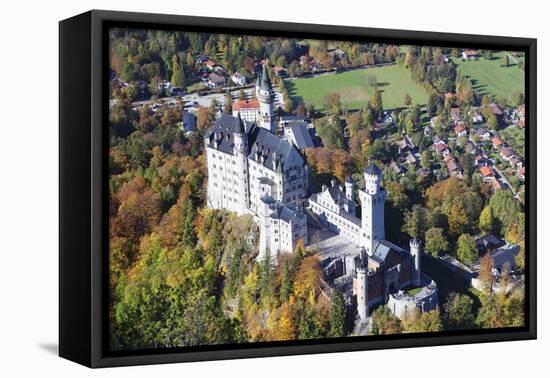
{"x":491,"y":77}
{"x":354,"y":89}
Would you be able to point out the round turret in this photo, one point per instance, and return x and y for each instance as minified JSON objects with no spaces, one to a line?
{"x":415,"y":249}
{"x":362,"y":292}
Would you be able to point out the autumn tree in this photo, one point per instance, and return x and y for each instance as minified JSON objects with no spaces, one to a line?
{"x":486,"y":265}
{"x":384,"y":322}
{"x":458,"y":312}
{"x":418,"y":321}
{"x":408,"y":100}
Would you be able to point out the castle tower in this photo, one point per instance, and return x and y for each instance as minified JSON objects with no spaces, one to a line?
{"x":372,"y":209}
{"x":264,"y":94}
{"x":264,"y":224}
{"x":362,"y":291}
{"x":240,"y":149}
{"x":415,"y":246}
{"x":350,"y":195}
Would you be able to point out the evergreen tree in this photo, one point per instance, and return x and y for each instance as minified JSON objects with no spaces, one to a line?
{"x":178,"y":77}
{"x":337,"y":315}
{"x":187,"y":227}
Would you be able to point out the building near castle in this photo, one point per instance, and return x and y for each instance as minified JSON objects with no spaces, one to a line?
{"x":260,"y":109}
{"x":253,"y":171}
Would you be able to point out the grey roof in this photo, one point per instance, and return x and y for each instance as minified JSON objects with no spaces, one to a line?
{"x":222,"y":132}
{"x":263,"y":146}
{"x":285,"y":212}
{"x":264,"y":82}
{"x":189,"y":121}
{"x":301,"y":135}
{"x":269,"y":149}
{"x":383,"y":248}
{"x":372,"y":169}
{"x":489,"y":241}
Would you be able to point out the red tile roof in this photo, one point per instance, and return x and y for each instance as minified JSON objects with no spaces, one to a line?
{"x":246,"y":104}
{"x":487,"y":171}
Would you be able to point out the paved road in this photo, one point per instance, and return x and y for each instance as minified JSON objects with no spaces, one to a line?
{"x":193,"y":100}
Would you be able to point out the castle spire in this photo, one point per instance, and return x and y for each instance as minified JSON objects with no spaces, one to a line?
{"x":265,"y":82}
{"x":240,"y":124}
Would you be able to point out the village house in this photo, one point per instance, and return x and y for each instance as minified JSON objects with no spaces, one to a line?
{"x":238,"y":79}
{"x":454,"y":167}
{"x":405,"y":145}
{"x":279,"y":71}
{"x":215,"y":80}
{"x":337,"y":54}
{"x":455,"y":115}
{"x":497,"y":142}
{"x":470,"y":54}
{"x":484,"y":134}
{"x":506,"y":153}
{"x":475,"y":116}
{"x":487,"y":172}
{"x":460,"y":131}
{"x":481,"y":160}
{"x":211,"y":65}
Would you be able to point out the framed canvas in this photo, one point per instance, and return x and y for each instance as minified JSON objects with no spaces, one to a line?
{"x":235,"y":188}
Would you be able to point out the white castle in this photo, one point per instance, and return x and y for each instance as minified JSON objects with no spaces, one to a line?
{"x":253,"y":171}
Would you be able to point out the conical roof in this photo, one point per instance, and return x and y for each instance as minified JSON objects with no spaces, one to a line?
{"x":265,"y":83}
{"x":240,"y":124}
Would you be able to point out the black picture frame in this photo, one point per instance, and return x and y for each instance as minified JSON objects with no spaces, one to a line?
{"x":83,"y":141}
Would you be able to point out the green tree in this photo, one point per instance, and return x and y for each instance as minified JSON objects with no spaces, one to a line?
{"x":178,"y":77}
{"x":466,"y":249}
{"x":286,"y":282}
{"x":228,"y":105}
{"x":337,"y":315}
{"x":376,"y":101}
{"x":436,"y":242}
{"x":425,"y":159}
{"x":187,"y":227}
{"x":417,"y":221}
{"x":487,"y":220}
{"x":267,"y":289}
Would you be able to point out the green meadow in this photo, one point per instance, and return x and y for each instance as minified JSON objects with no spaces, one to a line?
{"x":492,"y":77}
{"x":354,"y":89}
